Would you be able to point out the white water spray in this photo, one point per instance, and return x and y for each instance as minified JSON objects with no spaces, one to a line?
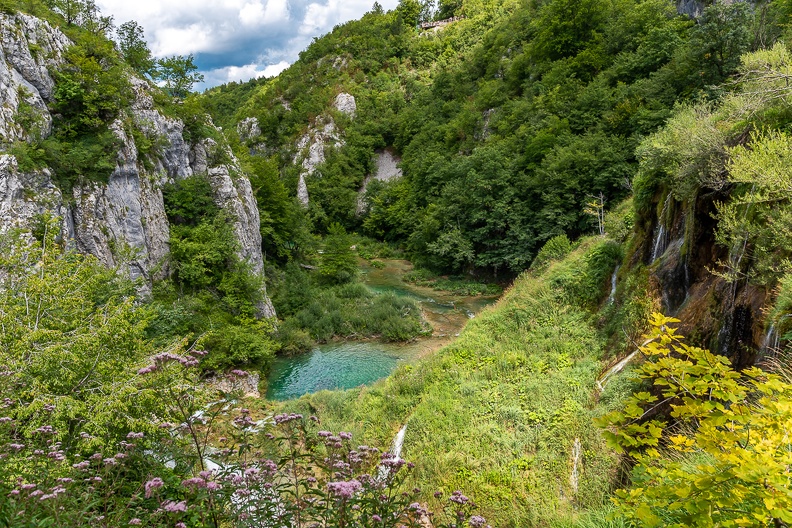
{"x":618,"y":367}
{"x":398,"y":443}
{"x":612,"y":296}
{"x":659,"y":245}
{"x":574,"y":477}
{"x":395,"y":450}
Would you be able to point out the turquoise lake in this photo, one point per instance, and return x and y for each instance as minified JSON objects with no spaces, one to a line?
{"x":349,"y":364}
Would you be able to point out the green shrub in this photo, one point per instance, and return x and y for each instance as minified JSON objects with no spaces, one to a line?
{"x":247,"y":345}
{"x":556,"y":248}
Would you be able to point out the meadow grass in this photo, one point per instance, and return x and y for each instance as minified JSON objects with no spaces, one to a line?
{"x":497,"y":412}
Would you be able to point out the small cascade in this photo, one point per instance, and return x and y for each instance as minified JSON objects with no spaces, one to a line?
{"x":771,"y":341}
{"x":395,"y":451}
{"x":398,"y":442}
{"x":659,"y":243}
{"x":612,"y":296}
{"x":618,"y":367}
{"x":574,"y":477}
{"x":658,"y":248}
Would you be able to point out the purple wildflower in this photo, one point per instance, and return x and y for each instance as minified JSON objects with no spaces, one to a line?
{"x":173,"y":506}
{"x":135,"y":522}
{"x":344,"y":489}
{"x":132,"y":436}
{"x":194,"y":483}
{"x":458,"y":497}
{"x":152,"y":485}
{"x":376,"y":518}
{"x":477,"y":521}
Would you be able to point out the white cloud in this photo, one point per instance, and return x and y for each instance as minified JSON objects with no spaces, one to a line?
{"x":194,"y":38}
{"x":252,"y":14}
{"x":277,"y":11}
{"x":251,"y":36}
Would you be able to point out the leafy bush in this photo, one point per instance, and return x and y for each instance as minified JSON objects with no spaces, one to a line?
{"x":556,"y":248}
{"x":338,"y":264}
{"x":724,"y":447}
{"x":231,"y":346}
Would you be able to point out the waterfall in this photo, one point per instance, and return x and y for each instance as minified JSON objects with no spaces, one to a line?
{"x":612,"y":296}
{"x":771,"y":341}
{"x":395,"y":450}
{"x":577,"y":450}
{"x":659,"y":244}
{"x":398,"y":442}
{"x":618,"y":367}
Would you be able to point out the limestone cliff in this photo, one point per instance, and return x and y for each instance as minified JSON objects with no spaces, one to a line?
{"x":121,"y":222}
{"x":321,"y":135}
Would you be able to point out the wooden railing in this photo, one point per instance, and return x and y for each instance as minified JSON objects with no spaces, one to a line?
{"x":438,"y":23}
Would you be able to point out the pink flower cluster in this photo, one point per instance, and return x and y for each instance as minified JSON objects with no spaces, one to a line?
{"x":166,"y":357}
{"x":344,"y":489}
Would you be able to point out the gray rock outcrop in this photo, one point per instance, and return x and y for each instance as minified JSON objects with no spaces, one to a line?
{"x":345,"y":103}
{"x":387,"y":170}
{"x":121,"y":222}
{"x":310,"y":151}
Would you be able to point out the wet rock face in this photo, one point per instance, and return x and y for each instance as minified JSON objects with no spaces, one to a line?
{"x":725,"y":316}
{"x":121,"y":222}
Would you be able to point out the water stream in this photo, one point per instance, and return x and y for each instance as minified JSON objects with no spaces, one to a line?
{"x":349,"y":364}
{"x":612,"y":296}
{"x":659,"y":243}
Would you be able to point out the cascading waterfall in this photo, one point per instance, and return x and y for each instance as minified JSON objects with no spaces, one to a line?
{"x":612,"y":296}
{"x":771,"y":346}
{"x":395,"y":450}
{"x":659,"y":243}
{"x":574,"y":477}
{"x":398,"y":442}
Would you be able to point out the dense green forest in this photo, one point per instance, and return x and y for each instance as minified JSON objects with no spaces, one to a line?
{"x":509,"y":122}
{"x":608,"y":161}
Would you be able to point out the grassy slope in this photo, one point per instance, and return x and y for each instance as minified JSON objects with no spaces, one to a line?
{"x":497,"y":412}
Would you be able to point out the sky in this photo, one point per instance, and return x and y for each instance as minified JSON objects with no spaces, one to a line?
{"x":236,"y":40}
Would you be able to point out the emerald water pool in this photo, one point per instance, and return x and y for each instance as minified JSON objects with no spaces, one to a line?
{"x":349,"y":364}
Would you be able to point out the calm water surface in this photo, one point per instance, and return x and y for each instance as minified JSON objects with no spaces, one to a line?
{"x":350,"y":364}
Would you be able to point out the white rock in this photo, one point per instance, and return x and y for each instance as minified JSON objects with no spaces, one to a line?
{"x":345,"y":103}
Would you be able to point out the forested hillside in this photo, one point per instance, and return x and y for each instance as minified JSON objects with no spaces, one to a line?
{"x":610,"y":163}
{"x":508,"y":123}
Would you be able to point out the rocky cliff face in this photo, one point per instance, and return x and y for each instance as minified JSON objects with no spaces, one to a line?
{"x":686,"y":265}
{"x":311,"y":146}
{"x":122,"y":222}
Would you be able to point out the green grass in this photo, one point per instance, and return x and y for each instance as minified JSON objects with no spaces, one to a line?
{"x":497,"y":412}
{"x":455,"y":285}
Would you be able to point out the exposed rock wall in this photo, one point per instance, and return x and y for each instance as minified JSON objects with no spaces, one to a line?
{"x":387,"y":169}
{"x":123,"y":222}
{"x":311,"y":146}
{"x":687,"y":268}
{"x":28,"y":48}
